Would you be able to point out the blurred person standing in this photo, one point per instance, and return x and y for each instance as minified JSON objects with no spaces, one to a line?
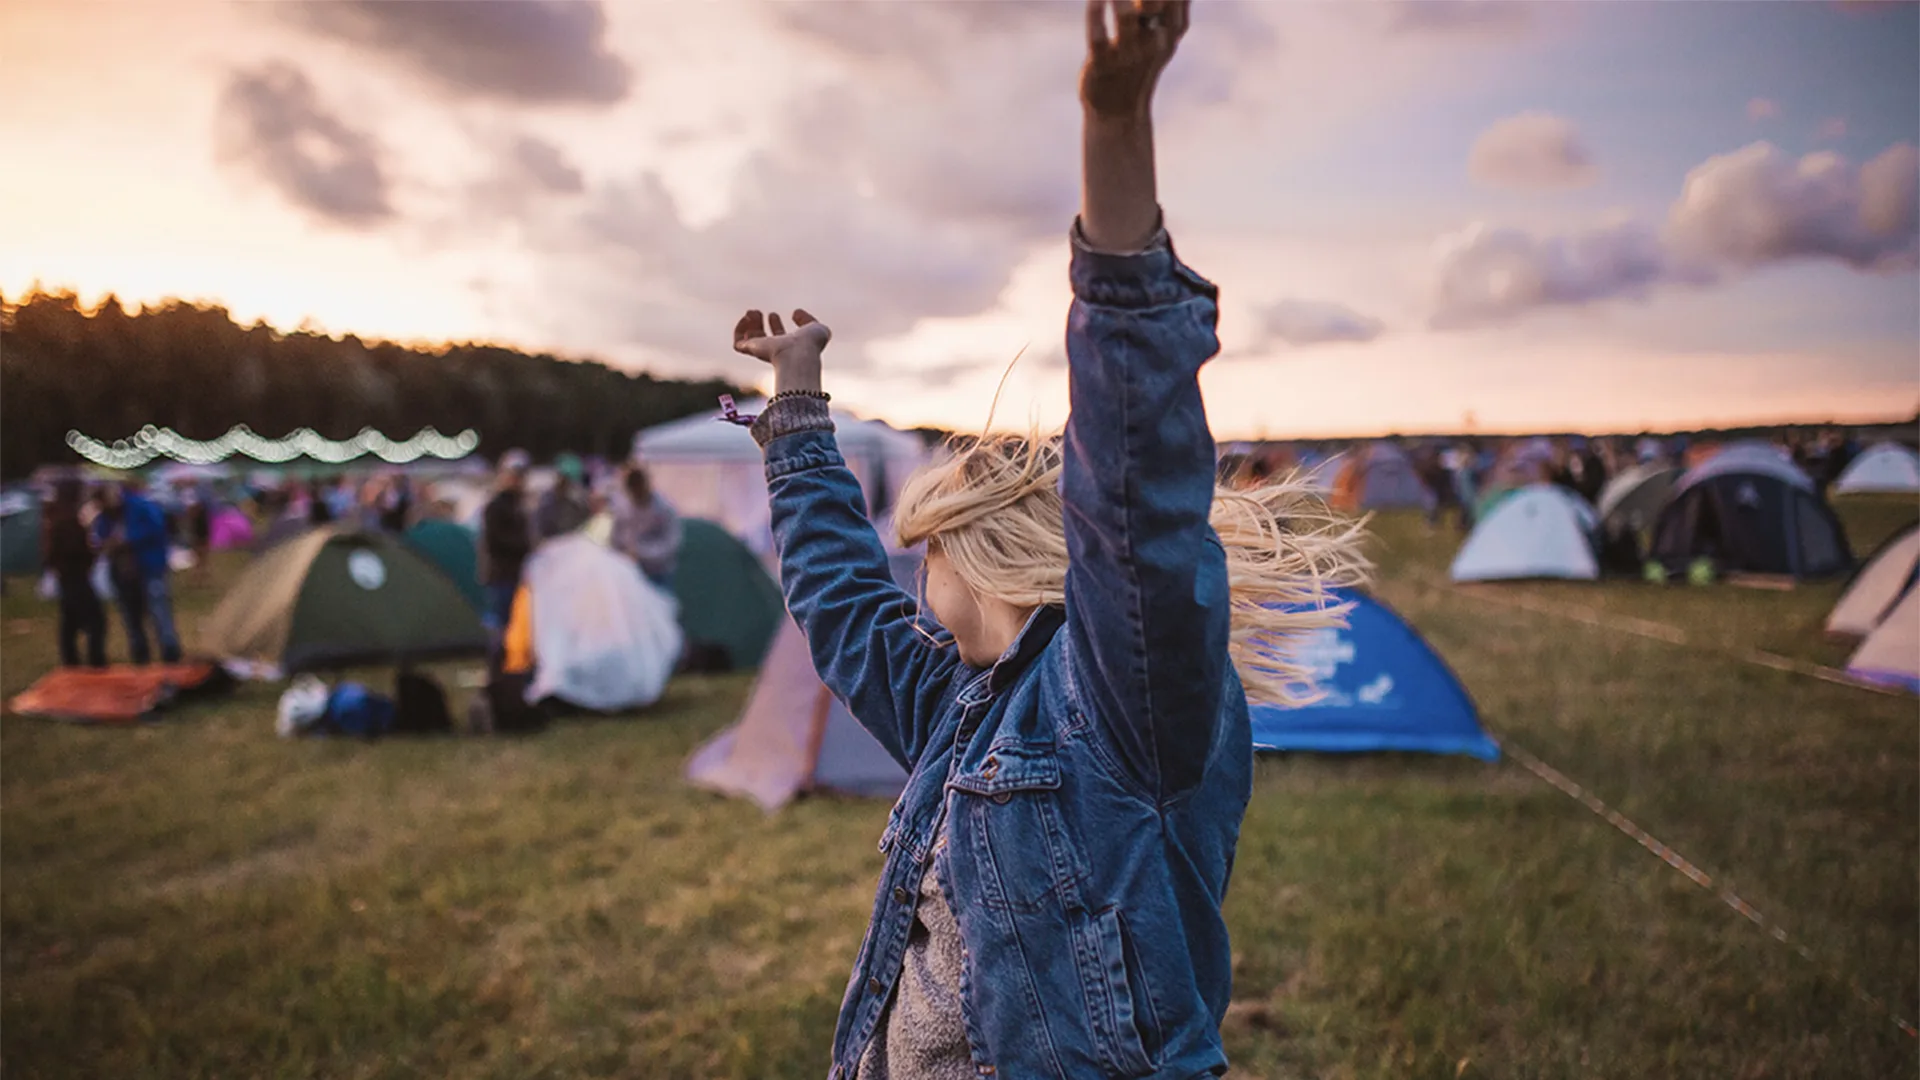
{"x":506,"y":538}
{"x":132,"y":532}
{"x":68,"y":553}
{"x":396,"y":503}
{"x":646,"y":528}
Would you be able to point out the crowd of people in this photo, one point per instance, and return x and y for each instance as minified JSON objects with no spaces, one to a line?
{"x":638,"y":523}
{"x":109,"y":546}
{"x":117,"y":544}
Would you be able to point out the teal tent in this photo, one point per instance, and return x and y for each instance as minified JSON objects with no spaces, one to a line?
{"x":19,"y":532}
{"x":726,"y":597}
{"x":454,"y":551}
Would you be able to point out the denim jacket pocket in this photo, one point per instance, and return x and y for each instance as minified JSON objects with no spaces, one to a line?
{"x":1125,"y":1026}
{"x":1013,"y":828}
{"x":1006,"y":770}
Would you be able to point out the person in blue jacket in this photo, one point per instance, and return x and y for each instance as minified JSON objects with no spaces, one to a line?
{"x":1074,"y":719}
{"x":132,"y":532}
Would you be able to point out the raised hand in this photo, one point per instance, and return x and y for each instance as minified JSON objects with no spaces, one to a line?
{"x":1128,"y":45}
{"x":794,"y":355}
{"x":1119,"y":200}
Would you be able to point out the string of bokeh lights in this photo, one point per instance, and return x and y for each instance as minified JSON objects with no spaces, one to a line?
{"x":153,"y":442}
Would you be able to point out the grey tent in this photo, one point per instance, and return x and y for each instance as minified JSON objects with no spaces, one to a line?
{"x":795,"y":736}
{"x":1632,"y":501}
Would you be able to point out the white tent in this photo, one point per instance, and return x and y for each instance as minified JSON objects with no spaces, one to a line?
{"x":1750,"y":456}
{"x":603,"y":637}
{"x":711,"y":469}
{"x":1878,"y":587}
{"x":1538,"y":531}
{"x":1891,"y":654}
{"x":1884,"y":466}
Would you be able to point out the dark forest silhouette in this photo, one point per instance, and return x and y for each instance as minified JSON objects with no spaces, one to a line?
{"x":190,"y":367}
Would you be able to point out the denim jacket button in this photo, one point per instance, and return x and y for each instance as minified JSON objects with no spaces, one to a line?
{"x":899,"y":895}
{"x":1003,"y":797}
{"x":873,"y":986}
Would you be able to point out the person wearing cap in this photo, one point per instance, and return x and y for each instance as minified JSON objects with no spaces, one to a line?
{"x":506,"y":538}
{"x":563,"y":507}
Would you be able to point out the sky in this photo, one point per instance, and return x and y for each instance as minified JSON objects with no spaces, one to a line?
{"x":1435,"y":215}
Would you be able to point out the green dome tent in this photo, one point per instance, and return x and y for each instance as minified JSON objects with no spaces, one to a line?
{"x":454,"y":550}
{"x":335,"y":597}
{"x":726,"y":597}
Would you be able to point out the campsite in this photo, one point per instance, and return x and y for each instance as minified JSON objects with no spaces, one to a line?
{"x":1068,"y":540}
{"x":194,"y":896}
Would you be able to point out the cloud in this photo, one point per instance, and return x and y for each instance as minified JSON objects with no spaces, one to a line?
{"x":1465,"y":17}
{"x":1313,"y":322}
{"x":541,"y":164}
{"x":869,"y":268}
{"x":1759,"y":205}
{"x":1736,"y":212}
{"x":1762,"y":109}
{"x":1534,"y":150}
{"x":526,"y":171}
{"x":270,"y":120}
{"x":535,"y":52}
{"x":1489,"y":274}
{"x":1832,"y":129}
{"x":906,"y":184}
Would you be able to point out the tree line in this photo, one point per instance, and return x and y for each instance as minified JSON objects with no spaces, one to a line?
{"x":107,"y":372}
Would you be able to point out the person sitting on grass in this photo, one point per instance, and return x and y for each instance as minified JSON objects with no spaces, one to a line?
{"x":1077,"y":736}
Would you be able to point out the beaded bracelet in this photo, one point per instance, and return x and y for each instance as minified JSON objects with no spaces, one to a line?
{"x":819,"y":394}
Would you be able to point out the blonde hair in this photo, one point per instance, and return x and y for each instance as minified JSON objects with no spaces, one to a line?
{"x":993,"y":506}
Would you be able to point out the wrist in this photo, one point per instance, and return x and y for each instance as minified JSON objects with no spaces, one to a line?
{"x":1120,"y":121}
{"x":797,"y":374}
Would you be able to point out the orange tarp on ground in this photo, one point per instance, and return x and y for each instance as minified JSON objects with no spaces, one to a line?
{"x":123,"y":694}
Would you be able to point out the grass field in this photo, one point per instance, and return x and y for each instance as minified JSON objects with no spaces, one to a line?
{"x":197,"y":898}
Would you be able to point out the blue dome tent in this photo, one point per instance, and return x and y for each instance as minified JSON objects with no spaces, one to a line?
{"x":1386,"y":689}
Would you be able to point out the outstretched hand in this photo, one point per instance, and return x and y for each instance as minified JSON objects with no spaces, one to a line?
{"x":1125,"y":59}
{"x":794,"y":355}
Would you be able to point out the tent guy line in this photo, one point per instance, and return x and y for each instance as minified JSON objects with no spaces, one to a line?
{"x":1694,"y":874}
{"x":1672,"y":635}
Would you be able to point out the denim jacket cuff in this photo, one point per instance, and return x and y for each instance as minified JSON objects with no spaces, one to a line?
{"x":798,"y":451}
{"x":790,"y":416}
{"x":1152,"y":277}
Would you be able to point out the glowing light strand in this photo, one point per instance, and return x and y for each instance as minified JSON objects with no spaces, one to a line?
{"x":154,"y":442}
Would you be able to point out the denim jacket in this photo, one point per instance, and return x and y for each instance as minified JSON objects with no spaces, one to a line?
{"x":1093,"y":780}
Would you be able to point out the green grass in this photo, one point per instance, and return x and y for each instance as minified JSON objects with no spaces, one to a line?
{"x":199,"y":898}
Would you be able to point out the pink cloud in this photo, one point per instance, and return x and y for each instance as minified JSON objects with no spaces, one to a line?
{"x":1762,"y":109}
{"x":1532,"y":150}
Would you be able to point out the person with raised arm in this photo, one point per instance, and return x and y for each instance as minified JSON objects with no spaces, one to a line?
{"x":1074,"y":721}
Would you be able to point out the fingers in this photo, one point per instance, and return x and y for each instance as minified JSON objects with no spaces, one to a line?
{"x":1097,"y":38}
{"x":773,"y":321}
{"x":801,"y":318}
{"x":749,"y":335}
{"x":1138,"y":25}
{"x":750,"y":326}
